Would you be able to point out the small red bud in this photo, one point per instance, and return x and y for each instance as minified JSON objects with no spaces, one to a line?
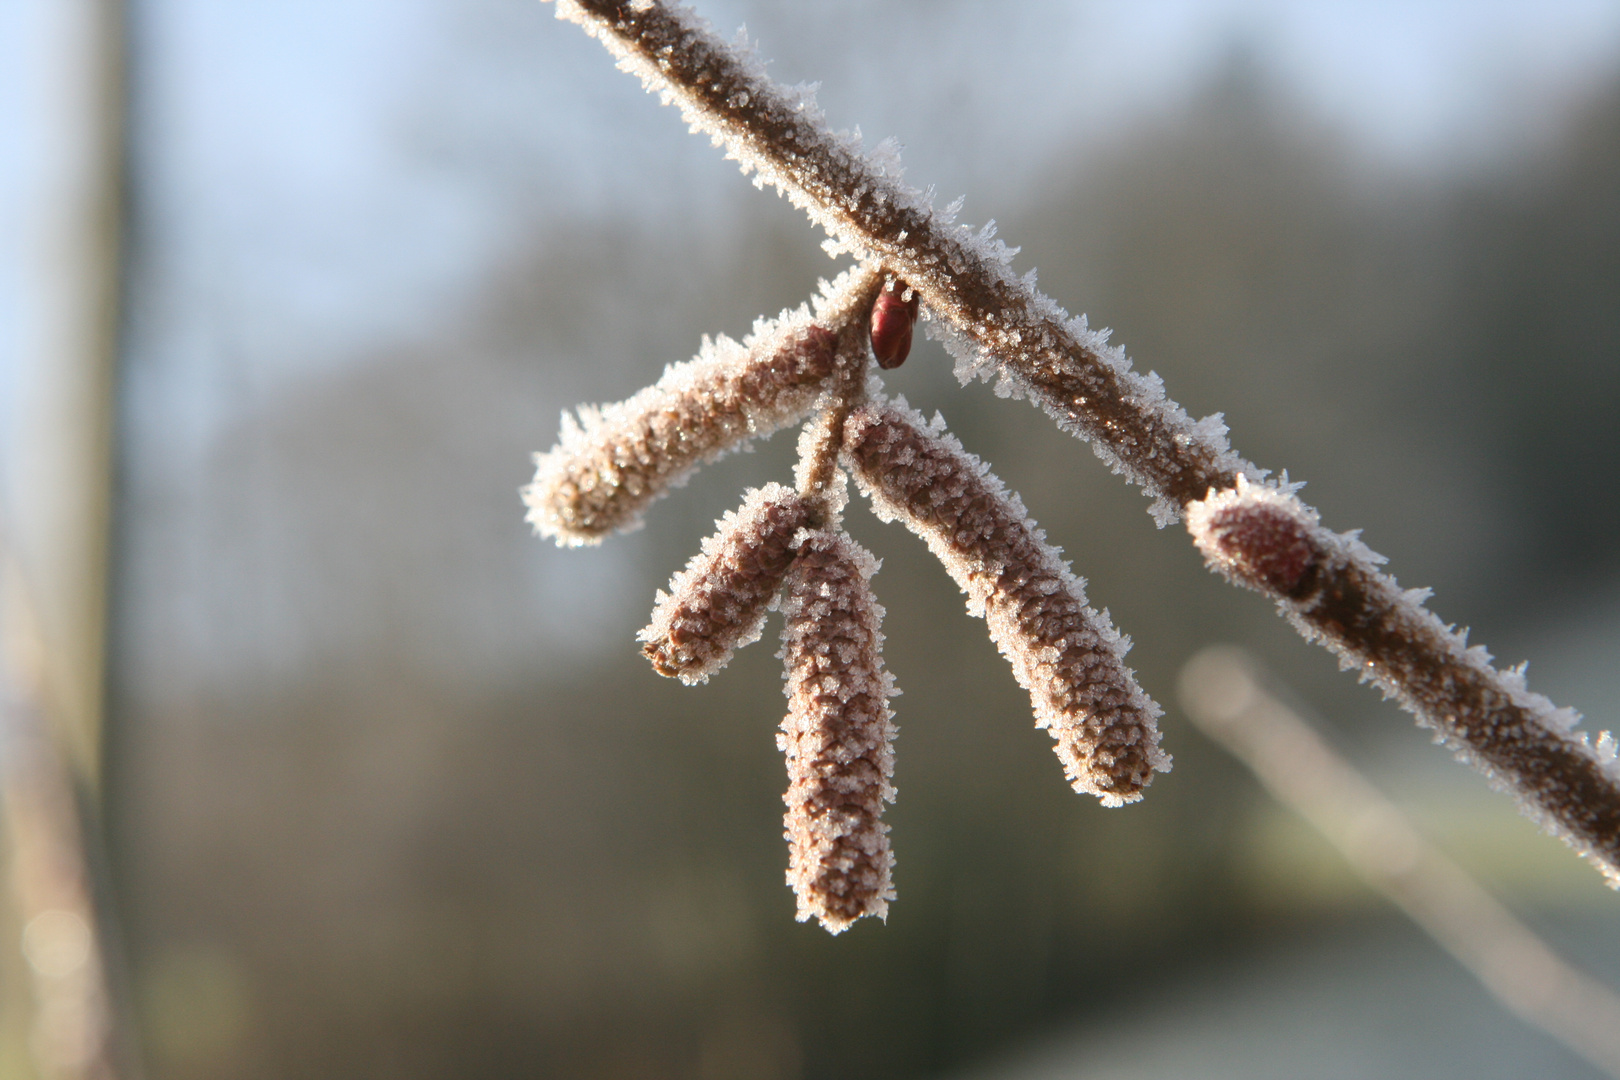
{"x":892,"y":320}
{"x":1264,"y":544}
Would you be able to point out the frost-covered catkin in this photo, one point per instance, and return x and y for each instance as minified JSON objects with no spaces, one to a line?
{"x":717,"y":604}
{"x":837,"y":735}
{"x":614,"y":460}
{"x":1068,"y":656}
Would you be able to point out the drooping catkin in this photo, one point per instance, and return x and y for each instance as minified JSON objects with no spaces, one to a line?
{"x":615,"y":459}
{"x":717,"y":604}
{"x":612,"y":460}
{"x":1067,"y":655}
{"x":837,"y":734}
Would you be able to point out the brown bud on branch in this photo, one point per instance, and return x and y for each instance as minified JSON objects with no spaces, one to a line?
{"x":1259,"y":537}
{"x":894,"y":313}
{"x":1067,"y":655}
{"x":1329,"y":586}
{"x":837,"y":735}
{"x":717,"y":604}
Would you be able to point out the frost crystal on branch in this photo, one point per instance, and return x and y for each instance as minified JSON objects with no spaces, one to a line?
{"x":717,"y":604}
{"x":837,"y":735}
{"x":1068,"y":656}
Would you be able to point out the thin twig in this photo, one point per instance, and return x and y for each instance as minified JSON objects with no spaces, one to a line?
{"x":1224,"y":693}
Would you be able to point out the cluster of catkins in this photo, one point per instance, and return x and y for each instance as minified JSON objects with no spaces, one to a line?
{"x":785,"y":549}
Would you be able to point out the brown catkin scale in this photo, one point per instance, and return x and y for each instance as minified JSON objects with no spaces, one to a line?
{"x":837,"y":736}
{"x":717,"y":604}
{"x":1068,"y":656}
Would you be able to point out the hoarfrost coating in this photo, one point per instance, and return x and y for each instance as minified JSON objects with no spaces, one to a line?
{"x":999,"y":326}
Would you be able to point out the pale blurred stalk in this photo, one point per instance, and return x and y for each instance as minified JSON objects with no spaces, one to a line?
{"x":1224,"y":693}
{"x":55,"y":531}
{"x":58,"y":1012}
{"x":59,"y":478}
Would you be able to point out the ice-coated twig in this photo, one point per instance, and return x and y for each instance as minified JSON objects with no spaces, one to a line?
{"x":717,"y":604}
{"x":999,"y":325}
{"x":1224,"y":693}
{"x":1329,"y":586}
{"x":837,"y":735}
{"x":615,"y":459}
{"x":1067,"y":655}
{"x":996,"y":322}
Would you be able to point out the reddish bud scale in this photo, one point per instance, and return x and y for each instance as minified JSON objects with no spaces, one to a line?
{"x":1264,"y":543}
{"x":1257,"y":536}
{"x":892,"y":320}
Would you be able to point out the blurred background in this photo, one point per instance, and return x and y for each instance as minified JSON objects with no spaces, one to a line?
{"x":380,"y":785}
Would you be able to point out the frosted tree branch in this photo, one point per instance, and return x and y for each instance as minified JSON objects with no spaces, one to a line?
{"x":1000,"y":326}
